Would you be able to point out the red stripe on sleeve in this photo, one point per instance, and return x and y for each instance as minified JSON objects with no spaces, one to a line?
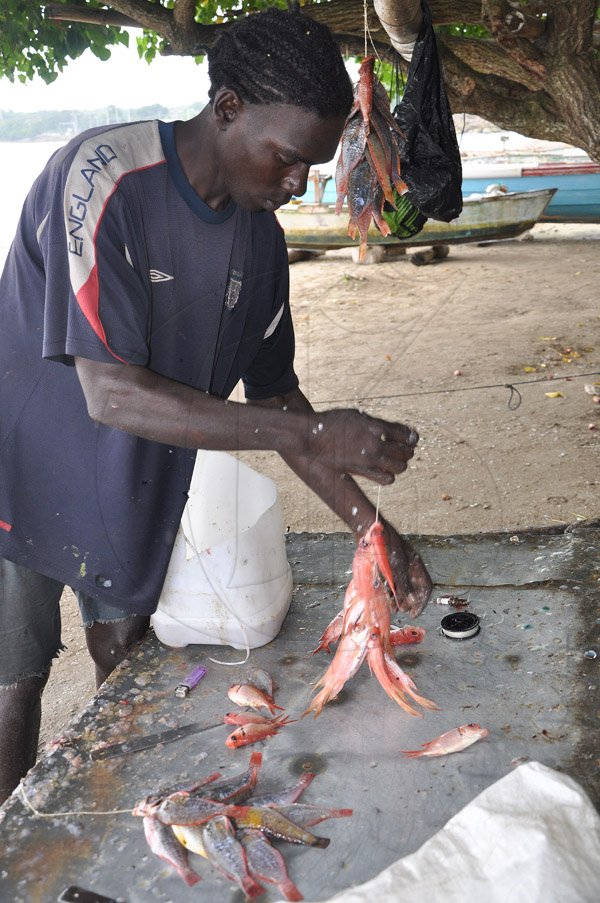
{"x":87,"y":298}
{"x":5,"y":526}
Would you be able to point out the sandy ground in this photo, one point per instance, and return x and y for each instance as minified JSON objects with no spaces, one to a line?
{"x":436,"y":347}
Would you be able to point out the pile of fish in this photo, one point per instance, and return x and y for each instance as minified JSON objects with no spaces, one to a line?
{"x":364,"y":630}
{"x":258,"y":692}
{"x":232,"y":826}
{"x":368,"y":167}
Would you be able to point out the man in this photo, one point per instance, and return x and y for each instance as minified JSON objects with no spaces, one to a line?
{"x":148,"y":275}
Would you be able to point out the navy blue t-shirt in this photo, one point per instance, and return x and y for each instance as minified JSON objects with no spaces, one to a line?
{"x":117,"y":259}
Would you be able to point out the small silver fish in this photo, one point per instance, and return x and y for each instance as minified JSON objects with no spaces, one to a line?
{"x":165,"y":845}
{"x":262,"y":680}
{"x":267,"y":863}
{"x":238,"y":788}
{"x":226,"y":852}
{"x":183,"y":809}
{"x":288,"y":795}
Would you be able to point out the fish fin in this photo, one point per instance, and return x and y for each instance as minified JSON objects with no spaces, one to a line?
{"x":251,"y":887}
{"x":189,"y":876}
{"x":406,"y":683}
{"x":289,"y":890}
{"x":282,"y":720}
{"x":377,"y":665}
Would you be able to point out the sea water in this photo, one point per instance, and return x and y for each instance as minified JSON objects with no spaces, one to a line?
{"x":20,"y":164}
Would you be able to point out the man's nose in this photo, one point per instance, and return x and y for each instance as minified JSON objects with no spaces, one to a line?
{"x":297,"y":179}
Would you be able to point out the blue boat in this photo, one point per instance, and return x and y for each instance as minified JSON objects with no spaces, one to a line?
{"x":577,"y":199}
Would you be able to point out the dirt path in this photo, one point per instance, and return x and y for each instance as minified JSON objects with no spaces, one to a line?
{"x":435,"y":347}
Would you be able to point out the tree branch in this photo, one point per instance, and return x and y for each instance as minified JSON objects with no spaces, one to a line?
{"x":487,"y":58}
{"x":71,"y":12}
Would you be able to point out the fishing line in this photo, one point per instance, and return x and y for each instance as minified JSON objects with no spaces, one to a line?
{"x":60,"y":814}
{"x":511,"y":386}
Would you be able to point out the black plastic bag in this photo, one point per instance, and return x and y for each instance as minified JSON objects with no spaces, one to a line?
{"x":429,"y":154}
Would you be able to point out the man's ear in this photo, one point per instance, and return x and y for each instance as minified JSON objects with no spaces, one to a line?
{"x":226,"y":106}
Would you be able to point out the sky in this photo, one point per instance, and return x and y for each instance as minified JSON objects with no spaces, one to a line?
{"x":125,"y":81}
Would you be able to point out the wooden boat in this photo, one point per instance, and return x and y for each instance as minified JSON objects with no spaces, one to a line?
{"x":316,"y":227}
{"x":577,"y":184}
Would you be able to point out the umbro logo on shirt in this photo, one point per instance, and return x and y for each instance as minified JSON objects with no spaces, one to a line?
{"x":158,"y":276}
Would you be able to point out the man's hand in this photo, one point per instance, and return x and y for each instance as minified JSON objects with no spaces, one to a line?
{"x":348,"y":441}
{"x":413,"y":583}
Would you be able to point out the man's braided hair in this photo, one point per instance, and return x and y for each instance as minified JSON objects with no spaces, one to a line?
{"x":281,"y":57}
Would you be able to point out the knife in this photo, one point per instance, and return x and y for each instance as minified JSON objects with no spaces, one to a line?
{"x":151,"y":740}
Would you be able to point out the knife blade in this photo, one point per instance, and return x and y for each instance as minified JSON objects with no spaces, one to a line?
{"x":151,"y":740}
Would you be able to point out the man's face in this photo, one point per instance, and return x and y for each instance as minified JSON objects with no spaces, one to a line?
{"x":264,"y":151}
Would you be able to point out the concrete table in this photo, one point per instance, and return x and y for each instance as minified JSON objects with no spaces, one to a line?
{"x":525,"y":676}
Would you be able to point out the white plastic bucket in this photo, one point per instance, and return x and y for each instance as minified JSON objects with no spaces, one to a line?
{"x":228,"y":581}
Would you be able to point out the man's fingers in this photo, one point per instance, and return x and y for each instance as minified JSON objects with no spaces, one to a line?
{"x":377,"y":476}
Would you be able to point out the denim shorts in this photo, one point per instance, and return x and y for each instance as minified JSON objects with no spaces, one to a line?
{"x":30,"y":621}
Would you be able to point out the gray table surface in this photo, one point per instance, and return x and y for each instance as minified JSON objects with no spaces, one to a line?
{"x":525,"y":677}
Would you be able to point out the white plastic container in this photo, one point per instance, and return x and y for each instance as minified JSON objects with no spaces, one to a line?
{"x":228,"y":581}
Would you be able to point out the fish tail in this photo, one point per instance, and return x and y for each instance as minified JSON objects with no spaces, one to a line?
{"x":251,"y":887}
{"x":413,"y":753}
{"x":289,"y":890}
{"x":189,"y":876}
{"x":377,"y":664}
{"x":281,"y":720}
{"x":316,"y":704}
{"x":272,"y":708}
{"x":406,"y":683}
{"x":423,"y":701}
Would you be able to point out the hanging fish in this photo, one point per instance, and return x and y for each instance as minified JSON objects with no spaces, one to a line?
{"x":368,"y":167}
{"x":365,"y":631}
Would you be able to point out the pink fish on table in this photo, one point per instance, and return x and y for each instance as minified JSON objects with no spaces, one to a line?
{"x":248,"y":695}
{"x":452,"y":741}
{"x":252,"y":732}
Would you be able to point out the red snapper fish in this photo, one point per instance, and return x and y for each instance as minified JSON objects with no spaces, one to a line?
{"x":251,"y":732}
{"x":452,"y":741}
{"x":364,"y":630}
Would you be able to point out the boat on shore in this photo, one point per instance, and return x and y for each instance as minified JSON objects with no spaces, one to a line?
{"x":317,"y":227}
{"x":577,"y":184}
